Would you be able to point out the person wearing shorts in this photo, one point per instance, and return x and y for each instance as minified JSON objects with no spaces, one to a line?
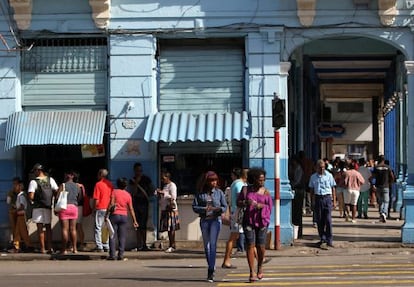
{"x":258,"y":203}
{"x":353,"y":182}
{"x":42,"y":206}
{"x":69,"y":216}
{"x":239,"y":177}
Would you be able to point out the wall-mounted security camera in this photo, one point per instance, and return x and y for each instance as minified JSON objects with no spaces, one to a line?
{"x":130,"y":105}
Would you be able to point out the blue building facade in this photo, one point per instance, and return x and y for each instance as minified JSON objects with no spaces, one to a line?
{"x":189,"y":86}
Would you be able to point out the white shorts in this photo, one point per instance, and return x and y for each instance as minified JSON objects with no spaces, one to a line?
{"x":42,"y":215}
{"x":351,"y":196}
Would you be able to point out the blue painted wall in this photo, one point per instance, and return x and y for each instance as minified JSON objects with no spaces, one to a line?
{"x":271,"y":30}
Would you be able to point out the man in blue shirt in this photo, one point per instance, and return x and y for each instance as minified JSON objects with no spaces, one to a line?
{"x":322,"y":186}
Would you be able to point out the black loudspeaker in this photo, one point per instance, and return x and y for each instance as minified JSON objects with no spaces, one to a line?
{"x":278,"y":113}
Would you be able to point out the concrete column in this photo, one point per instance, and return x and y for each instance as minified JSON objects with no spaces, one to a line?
{"x":266,"y":76}
{"x":407,"y":231}
{"x":286,"y":194}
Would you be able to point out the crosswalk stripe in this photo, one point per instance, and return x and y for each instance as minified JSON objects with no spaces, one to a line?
{"x":318,"y":283}
{"x":327,"y":275}
{"x":338,"y":273}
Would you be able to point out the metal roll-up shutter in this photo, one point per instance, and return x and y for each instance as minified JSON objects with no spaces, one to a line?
{"x":202,"y":75}
{"x":65,"y":73}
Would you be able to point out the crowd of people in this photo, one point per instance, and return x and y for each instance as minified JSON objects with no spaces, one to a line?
{"x":250,"y":206}
{"x":348,"y":185}
{"x":108,"y":205}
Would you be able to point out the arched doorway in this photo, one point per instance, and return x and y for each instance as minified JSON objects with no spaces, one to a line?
{"x":344,"y":96}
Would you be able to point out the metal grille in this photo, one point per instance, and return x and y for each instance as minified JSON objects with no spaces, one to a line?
{"x":65,"y":55}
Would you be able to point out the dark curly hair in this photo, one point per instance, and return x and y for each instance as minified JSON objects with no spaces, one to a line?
{"x":254,"y":173}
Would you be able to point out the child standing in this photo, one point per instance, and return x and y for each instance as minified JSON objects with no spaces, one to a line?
{"x":21,"y":232}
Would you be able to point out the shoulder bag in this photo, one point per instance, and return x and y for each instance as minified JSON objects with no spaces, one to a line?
{"x":62,"y":202}
{"x":241,"y":210}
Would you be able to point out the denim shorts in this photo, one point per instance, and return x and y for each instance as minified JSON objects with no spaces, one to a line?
{"x":255,"y":235}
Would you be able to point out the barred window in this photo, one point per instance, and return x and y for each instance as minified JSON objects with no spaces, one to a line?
{"x":65,"y":55}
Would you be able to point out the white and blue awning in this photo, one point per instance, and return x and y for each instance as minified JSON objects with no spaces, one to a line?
{"x":55,"y":127}
{"x":213,"y":126}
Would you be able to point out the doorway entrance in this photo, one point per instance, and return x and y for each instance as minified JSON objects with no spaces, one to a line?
{"x":339,"y":90}
{"x":59,"y":158}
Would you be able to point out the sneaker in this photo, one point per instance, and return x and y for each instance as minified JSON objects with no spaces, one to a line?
{"x":170,"y":249}
{"x":346,"y":218}
{"x":383,"y":217}
{"x":366,"y":216}
{"x":98,"y":250}
{"x":353,"y":221}
{"x":110,"y":258}
{"x":121,"y":258}
{"x":145,"y":248}
{"x":323,"y":246}
{"x":210,"y":276}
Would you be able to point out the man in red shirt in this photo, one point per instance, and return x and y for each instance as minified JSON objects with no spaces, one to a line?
{"x":102,"y":196}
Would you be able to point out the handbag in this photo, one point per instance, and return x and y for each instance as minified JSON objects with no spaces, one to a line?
{"x":241,"y":210}
{"x":225,"y":217}
{"x":62,"y":202}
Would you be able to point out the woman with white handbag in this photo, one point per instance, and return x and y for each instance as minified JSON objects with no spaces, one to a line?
{"x":69,"y":214}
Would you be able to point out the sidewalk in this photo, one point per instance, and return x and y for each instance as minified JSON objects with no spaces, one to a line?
{"x":366,"y":236}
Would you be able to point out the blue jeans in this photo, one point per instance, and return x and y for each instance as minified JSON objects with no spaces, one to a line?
{"x":99,"y":220}
{"x":241,"y":242}
{"x":383,"y":198}
{"x":210,"y":229}
{"x":119,"y":222}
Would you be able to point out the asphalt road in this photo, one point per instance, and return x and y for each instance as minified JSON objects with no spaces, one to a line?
{"x":382,"y":269}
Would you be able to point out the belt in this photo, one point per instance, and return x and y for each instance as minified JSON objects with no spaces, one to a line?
{"x":325,"y":195}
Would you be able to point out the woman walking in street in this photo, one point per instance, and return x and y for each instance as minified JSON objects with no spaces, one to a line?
{"x":258,"y":203}
{"x":209,"y":203}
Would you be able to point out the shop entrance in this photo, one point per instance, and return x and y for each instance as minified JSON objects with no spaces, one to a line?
{"x":59,"y":158}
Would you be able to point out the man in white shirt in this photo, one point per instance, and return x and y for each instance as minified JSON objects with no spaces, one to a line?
{"x":41,"y":191}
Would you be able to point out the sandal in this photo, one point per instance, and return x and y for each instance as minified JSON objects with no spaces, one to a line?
{"x":252,"y":278}
{"x":259,"y":273}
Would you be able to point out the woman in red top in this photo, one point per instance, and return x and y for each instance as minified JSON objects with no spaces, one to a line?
{"x":119,"y":217}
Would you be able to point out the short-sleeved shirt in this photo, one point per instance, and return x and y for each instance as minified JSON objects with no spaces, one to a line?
{"x":170,"y":194}
{"x":122,"y":200}
{"x":102,"y":193}
{"x":383,"y":175}
{"x":235,"y":189}
{"x":33,"y":184}
{"x":322,"y":183}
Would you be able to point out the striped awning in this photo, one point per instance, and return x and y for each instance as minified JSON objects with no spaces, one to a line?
{"x":51,"y":127}
{"x":175,"y":127}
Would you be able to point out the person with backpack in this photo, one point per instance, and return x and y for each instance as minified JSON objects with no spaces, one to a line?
{"x":41,"y":191}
